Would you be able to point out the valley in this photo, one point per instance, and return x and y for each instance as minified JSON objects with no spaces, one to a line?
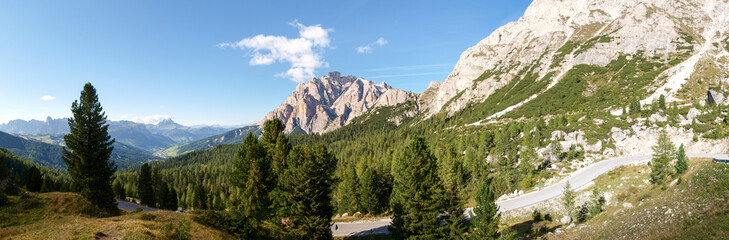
{"x":595,"y":119}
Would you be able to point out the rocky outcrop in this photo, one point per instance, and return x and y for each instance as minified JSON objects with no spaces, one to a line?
{"x":332,"y":101}
{"x":615,"y":27}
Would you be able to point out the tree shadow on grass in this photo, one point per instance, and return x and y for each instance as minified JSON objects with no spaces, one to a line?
{"x":534,"y":230}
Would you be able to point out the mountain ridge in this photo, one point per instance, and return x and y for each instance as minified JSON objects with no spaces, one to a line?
{"x":148,"y":137}
{"x":332,"y":101}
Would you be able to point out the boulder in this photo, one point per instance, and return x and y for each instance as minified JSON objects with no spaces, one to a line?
{"x":565,"y":219}
{"x":597,"y":147}
{"x":657,"y":118}
{"x":618,"y":134}
{"x":692,"y":113}
{"x":558,"y":135}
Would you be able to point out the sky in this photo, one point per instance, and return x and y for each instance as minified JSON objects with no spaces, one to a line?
{"x":223,"y":62}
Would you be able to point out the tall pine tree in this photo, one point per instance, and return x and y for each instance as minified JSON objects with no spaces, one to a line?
{"x":145,"y":188}
{"x":681,"y":163}
{"x":252,"y":175}
{"x":172,"y":199}
{"x":368,"y":191}
{"x":568,"y":200}
{"x":35,"y":180}
{"x":487,"y":217}
{"x":418,"y":194}
{"x":306,"y":185}
{"x":88,"y":150}
{"x":663,"y":153}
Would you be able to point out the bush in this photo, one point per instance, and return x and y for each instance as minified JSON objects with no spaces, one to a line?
{"x":583,"y":215}
{"x":3,"y":199}
{"x":147,"y":217}
{"x":644,"y":197}
{"x":139,"y":209}
{"x":537,"y":216}
{"x":181,"y":231}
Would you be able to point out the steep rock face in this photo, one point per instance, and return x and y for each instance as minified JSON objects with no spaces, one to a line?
{"x":332,"y":101}
{"x":600,"y":30}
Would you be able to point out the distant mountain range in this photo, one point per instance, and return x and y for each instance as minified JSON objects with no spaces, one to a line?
{"x":50,"y":155}
{"x":148,"y":137}
{"x":231,"y":137}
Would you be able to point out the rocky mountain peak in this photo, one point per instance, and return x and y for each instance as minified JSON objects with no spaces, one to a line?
{"x":553,"y":36}
{"x":332,"y":101}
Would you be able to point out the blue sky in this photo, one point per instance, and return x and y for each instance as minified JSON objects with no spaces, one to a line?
{"x":210,"y":62}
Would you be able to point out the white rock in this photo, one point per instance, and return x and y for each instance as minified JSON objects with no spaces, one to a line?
{"x":692,"y":113}
{"x":657,"y":118}
{"x":627,"y":205}
{"x":565,"y":219}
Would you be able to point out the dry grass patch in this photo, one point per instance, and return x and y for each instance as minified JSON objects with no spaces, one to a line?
{"x":57,"y":216}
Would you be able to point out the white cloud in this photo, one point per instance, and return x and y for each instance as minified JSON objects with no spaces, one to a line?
{"x":368,"y":48}
{"x":303,"y":53}
{"x":364,"y":49}
{"x":47,"y":98}
{"x":152,"y":119}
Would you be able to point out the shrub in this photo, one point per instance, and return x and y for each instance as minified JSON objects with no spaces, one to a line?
{"x":3,"y":198}
{"x":147,"y":217}
{"x":139,"y":209}
{"x":181,"y":231}
{"x":583,"y":215}
{"x":537,"y":216}
{"x":644,"y":196}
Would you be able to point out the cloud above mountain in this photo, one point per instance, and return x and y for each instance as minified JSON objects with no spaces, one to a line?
{"x":303,"y":54}
{"x":151,"y":119}
{"x":47,"y":98}
{"x":369,"y":47}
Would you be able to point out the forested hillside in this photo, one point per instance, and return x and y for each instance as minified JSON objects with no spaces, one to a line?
{"x":30,"y":175}
{"x":49,"y":155}
{"x":231,"y":137}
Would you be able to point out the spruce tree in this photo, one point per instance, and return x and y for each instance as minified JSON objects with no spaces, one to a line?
{"x":172,"y":199}
{"x":418,"y":196}
{"x":681,"y":163}
{"x":271,"y":130}
{"x":350,"y":184}
{"x":307,"y":186}
{"x":368,"y":191}
{"x":252,"y":175}
{"x":635,"y":107}
{"x":161,"y":195}
{"x":662,"y":102}
{"x":454,"y":225}
{"x":35,"y":180}
{"x":200,"y":198}
{"x":145,"y":187}
{"x":568,"y":201}
{"x":280,"y":153}
{"x":487,"y":216}
{"x":88,"y":150}
{"x":119,"y":190}
{"x":663,"y":153}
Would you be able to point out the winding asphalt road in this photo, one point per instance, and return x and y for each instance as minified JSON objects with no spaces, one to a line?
{"x":133,"y":206}
{"x":577,"y":180}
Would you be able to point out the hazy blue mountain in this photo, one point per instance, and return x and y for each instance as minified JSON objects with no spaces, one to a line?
{"x":49,"y":127}
{"x":50,"y":155}
{"x":148,"y":137}
{"x":231,"y":137}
